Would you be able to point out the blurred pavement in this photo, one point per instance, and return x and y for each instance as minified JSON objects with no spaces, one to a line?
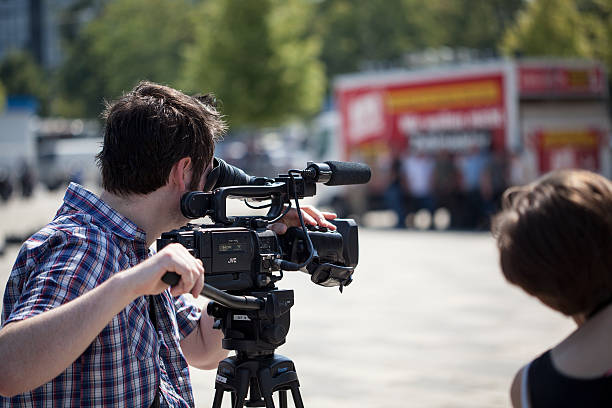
{"x":19,"y":217}
{"x":428,"y":322}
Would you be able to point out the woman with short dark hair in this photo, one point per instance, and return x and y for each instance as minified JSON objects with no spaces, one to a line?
{"x":555,"y":242}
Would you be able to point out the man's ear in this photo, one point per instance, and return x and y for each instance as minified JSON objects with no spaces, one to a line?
{"x":181,"y":173}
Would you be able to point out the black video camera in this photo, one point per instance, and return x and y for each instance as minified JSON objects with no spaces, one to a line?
{"x":241,"y":255}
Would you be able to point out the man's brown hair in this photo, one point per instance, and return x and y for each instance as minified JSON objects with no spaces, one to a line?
{"x":151,"y":128}
{"x":555,"y":239}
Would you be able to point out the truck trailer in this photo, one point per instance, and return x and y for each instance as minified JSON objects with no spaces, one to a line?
{"x":533,"y":116}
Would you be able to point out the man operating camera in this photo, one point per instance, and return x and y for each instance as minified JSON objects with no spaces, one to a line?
{"x":86,"y":319}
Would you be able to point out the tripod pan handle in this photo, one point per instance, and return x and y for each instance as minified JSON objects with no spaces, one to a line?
{"x":171,"y":278}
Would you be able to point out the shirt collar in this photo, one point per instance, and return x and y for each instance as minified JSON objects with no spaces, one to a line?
{"x":84,"y":200}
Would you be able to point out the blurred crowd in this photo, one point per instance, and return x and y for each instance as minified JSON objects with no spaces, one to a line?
{"x":467,"y":187}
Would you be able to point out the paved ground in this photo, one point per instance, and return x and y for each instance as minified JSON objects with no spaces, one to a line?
{"x":428,"y":322}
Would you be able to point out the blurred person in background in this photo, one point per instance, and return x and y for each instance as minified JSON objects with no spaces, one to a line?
{"x":395,"y":193}
{"x":555,"y":242}
{"x":446,"y":182}
{"x":6,"y":184}
{"x":471,"y":166}
{"x":86,"y":319}
{"x":518,"y":172}
{"x":493,"y":182}
{"x":418,"y":169}
{"x":27,"y":179}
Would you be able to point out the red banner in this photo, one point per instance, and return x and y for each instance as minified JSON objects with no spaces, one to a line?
{"x":569,"y":149}
{"x":452,"y":113}
{"x":561,"y":81}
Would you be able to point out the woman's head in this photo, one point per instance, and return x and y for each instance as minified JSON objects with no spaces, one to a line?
{"x":555,"y":239}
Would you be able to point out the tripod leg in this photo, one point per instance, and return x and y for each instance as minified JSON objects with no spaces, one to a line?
{"x":297,"y":397}
{"x":265,"y":386}
{"x":233,"y":399}
{"x":282,"y":398}
{"x":254,"y":392}
{"x":218,"y":398}
{"x":241,"y":392}
{"x":268,"y":400}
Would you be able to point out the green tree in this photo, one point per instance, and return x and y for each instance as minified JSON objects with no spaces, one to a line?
{"x":2,"y":97}
{"x":259,"y":58}
{"x":131,"y":40}
{"x":72,"y":16}
{"x":549,"y":27}
{"x":475,"y":24}
{"x":360,"y":34}
{"x":81,"y":90}
{"x":598,"y":21}
{"x":21,"y":75}
{"x":357,"y":33}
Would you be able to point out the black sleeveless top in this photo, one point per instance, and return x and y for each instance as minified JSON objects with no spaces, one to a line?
{"x":550,"y":388}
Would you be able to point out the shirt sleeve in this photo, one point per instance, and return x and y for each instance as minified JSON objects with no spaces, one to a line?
{"x":68,"y":265}
{"x":187,"y":316}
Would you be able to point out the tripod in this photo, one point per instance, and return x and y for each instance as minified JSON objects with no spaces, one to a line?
{"x":255,"y":333}
{"x":263,"y":375}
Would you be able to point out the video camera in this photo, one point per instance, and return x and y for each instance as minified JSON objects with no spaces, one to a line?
{"x":240,"y":254}
{"x":243,"y":259}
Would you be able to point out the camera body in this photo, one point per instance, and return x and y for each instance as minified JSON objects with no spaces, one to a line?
{"x":240,"y":254}
{"x":234,"y":258}
{"x":239,"y":259}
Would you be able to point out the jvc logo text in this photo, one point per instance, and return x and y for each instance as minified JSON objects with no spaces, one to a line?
{"x":232,"y":260}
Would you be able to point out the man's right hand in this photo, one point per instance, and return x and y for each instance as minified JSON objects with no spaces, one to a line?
{"x":145,"y":278}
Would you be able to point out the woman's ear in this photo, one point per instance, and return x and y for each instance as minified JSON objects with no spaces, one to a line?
{"x":181,"y":173}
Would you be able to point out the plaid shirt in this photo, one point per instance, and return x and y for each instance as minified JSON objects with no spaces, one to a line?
{"x":127,"y":363}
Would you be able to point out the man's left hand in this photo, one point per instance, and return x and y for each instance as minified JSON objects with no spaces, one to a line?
{"x":311,"y":216}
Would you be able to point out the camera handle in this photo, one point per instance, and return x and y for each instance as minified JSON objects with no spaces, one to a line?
{"x":232,"y":301}
{"x":198,"y":204}
{"x":277,"y":192}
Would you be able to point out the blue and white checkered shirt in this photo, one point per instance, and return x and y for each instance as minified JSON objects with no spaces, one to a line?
{"x":127,"y":363}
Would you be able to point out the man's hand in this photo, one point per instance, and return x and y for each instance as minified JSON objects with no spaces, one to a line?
{"x":311,"y":216}
{"x":145,"y":278}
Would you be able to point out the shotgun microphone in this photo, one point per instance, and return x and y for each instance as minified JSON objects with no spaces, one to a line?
{"x":337,"y":173}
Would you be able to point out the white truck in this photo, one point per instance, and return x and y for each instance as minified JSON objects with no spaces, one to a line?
{"x":55,"y":150}
{"x":542,"y":114}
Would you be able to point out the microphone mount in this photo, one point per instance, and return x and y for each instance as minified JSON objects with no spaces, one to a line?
{"x":317,"y":172}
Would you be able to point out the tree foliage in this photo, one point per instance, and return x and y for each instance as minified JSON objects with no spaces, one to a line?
{"x":476,"y":24}
{"x":22,"y":76}
{"x":269,"y":60}
{"x":549,"y":27}
{"x":131,"y":40}
{"x":562,"y":28}
{"x":258,"y":57}
{"x":359,"y":34}
{"x":598,"y":21}
{"x":2,"y":97}
{"x":356,"y":33}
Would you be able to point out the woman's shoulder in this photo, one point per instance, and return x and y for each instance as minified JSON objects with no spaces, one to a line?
{"x":586,"y":353}
{"x":519,"y":394}
{"x":573,"y":373}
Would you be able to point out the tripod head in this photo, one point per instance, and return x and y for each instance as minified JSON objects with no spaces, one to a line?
{"x":255,"y":332}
